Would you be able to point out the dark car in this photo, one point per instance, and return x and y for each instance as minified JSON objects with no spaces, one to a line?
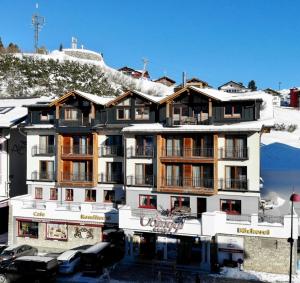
{"x":12,"y":252}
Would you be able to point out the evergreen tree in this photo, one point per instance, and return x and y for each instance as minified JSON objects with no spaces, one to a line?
{"x":61,"y":47}
{"x":12,"y":48}
{"x":2,"y":49}
{"x":252,"y":85}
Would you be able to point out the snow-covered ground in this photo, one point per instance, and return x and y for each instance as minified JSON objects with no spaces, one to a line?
{"x":280,"y":159}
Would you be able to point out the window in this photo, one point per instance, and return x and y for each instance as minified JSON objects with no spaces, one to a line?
{"x":71,"y":114}
{"x":173,"y":175}
{"x":46,"y":145}
{"x":46,"y":170}
{"x":114,"y":172}
{"x":69,"y":194}
{"x":38,"y":193}
{"x":143,"y":174}
{"x":125,"y":102}
{"x":44,"y":116}
{"x":142,"y":113}
{"x":82,"y":145}
{"x":28,"y":229}
{"x":236,"y":147}
{"x":123,"y":114}
{"x":109,"y":196}
{"x":174,"y":146}
{"x":53,"y":194}
{"x":180,"y":202}
{"x":80,"y":171}
{"x":236,"y":177}
{"x":230,"y":206}
{"x":147,"y":201}
{"x":180,"y":113}
{"x":144,"y":145}
{"x":232,"y":111}
{"x":90,"y":195}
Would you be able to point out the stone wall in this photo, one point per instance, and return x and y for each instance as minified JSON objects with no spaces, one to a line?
{"x":268,"y":254}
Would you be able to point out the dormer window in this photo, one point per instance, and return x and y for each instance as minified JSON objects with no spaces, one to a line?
{"x":71,"y":114}
{"x":142,"y":113}
{"x":232,"y":111}
{"x":123,"y":114}
{"x":45,"y":116}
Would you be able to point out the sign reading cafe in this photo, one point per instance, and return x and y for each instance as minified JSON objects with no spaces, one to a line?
{"x":162,"y":225}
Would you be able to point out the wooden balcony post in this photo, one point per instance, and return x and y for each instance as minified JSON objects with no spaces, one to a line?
{"x":216,"y":183}
{"x":159,"y":146}
{"x":95,"y":159}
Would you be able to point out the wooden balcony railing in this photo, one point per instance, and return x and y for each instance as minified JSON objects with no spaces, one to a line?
{"x":233,"y":184}
{"x":140,"y":151}
{"x":140,"y":180}
{"x":76,"y":150}
{"x":234,"y":153}
{"x":189,"y":152}
{"x":72,"y":123}
{"x":110,"y":150}
{"x":43,"y":151}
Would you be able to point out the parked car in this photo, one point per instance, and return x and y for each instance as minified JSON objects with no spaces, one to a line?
{"x":3,"y":247}
{"x":69,"y":261}
{"x":32,"y":269}
{"x":81,"y":248}
{"x":12,"y":252}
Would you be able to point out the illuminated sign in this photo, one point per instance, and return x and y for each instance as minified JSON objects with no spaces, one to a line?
{"x":253,"y":231}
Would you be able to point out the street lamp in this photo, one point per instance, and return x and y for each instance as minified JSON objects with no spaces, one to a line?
{"x":294,"y":198}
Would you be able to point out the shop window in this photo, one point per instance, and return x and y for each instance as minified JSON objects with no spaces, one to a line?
{"x":53,"y":194}
{"x":90,"y":195}
{"x":142,"y":113}
{"x":231,"y":206}
{"x":109,"y":196}
{"x":148,"y":201}
{"x":180,"y":202}
{"x":38,"y":193}
{"x":57,"y":231}
{"x":28,"y":229}
{"x":69,"y":194}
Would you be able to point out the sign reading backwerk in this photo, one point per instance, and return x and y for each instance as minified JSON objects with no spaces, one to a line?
{"x":162,"y":225}
{"x":253,"y":231}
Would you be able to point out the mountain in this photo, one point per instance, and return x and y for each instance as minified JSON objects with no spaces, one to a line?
{"x":27,"y":75}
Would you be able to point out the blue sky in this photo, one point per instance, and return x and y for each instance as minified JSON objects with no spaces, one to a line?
{"x":215,"y":40}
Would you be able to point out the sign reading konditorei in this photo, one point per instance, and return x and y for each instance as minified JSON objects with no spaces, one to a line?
{"x":253,"y":231}
{"x":162,"y":225}
{"x":94,"y":217}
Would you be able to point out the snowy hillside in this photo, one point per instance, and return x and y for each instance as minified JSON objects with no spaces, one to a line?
{"x":54,"y":73}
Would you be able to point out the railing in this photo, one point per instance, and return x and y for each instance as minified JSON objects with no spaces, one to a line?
{"x":188,"y":182}
{"x":204,"y":120}
{"x":115,"y":178}
{"x":84,"y":177}
{"x":140,"y":151}
{"x":140,"y":180}
{"x":110,"y":150}
{"x":194,"y":152}
{"x":77,"y":150}
{"x":238,"y":217}
{"x":233,"y":153}
{"x":72,"y":206}
{"x":42,"y":176}
{"x":270,"y":219}
{"x":72,"y":123}
{"x":37,"y":204}
{"x":233,"y":184}
{"x":45,"y":151}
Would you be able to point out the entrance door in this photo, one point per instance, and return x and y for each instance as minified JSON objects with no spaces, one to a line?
{"x":201,"y":206}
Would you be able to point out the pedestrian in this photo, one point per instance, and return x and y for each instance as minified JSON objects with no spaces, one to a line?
{"x":159,"y":276}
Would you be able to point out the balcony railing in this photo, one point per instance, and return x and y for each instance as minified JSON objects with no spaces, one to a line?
{"x":116,"y":178}
{"x":238,"y":217}
{"x":110,"y":150}
{"x":42,"y":176}
{"x":233,"y":153}
{"x":201,"y":120}
{"x":140,"y":180}
{"x":43,"y":151}
{"x":140,"y":151}
{"x":233,"y":184}
{"x":84,"y":177}
{"x":76,"y":150}
{"x":72,"y":123}
{"x":270,"y":218}
{"x":188,"y":152}
{"x":188,"y":182}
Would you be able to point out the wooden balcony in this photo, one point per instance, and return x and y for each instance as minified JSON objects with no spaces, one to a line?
{"x":43,"y":151}
{"x":187,"y":185}
{"x":80,"y":180}
{"x":77,"y":152}
{"x":234,"y":153}
{"x":184,"y":154}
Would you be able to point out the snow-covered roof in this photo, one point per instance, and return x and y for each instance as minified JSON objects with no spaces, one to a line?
{"x":13,"y":110}
{"x":101,"y":100}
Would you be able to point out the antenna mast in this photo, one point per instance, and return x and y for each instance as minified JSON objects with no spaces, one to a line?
{"x":37,"y":22}
{"x":145,"y":63}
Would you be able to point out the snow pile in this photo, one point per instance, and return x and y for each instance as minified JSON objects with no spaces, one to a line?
{"x":257,"y":276}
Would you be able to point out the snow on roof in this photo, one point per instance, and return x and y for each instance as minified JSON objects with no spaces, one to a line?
{"x":95,"y":98}
{"x":153,"y":98}
{"x":14,"y":109}
{"x":67,"y":255}
{"x":97,"y":247}
{"x":35,"y":258}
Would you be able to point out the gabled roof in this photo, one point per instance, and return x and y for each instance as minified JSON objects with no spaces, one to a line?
{"x":272,"y":91}
{"x":100,"y":100}
{"x":232,"y":82}
{"x":151,"y":98}
{"x":165,"y":78}
{"x":191,"y":81}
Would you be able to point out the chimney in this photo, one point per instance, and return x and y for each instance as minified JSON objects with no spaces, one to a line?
{"x":183,"y":79}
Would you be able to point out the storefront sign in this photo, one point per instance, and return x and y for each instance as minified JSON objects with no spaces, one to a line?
{"x":253,"y":231}
{"x":162,"y":225}
{"x":94,"y":217}
{"x":38,"y":214}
